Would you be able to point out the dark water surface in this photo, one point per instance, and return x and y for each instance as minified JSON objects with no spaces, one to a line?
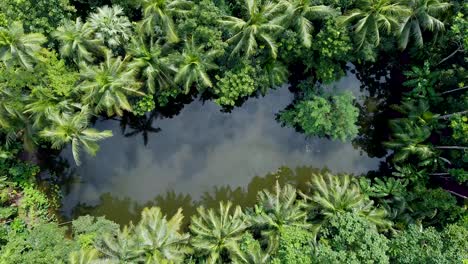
{"x":204,"y":154}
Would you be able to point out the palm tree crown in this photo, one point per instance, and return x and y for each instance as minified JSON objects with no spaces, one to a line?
{"x":260,"y":24}
{"x":160,"y":237}
{"x":160,"y":13}
{"x":195,"y":63}
{"x":77,"y":41}
{"x":19,"y":48}
{"x":333,"y":194}
{"x":73,"y":128}
{"x":277,"y":210}
{"x":373,"y":16}
{"x":218,"y":232}
{"x":423,"y":17}
{"x":111,"y":25}
{"x":107,"y":85}
{"x":300,"y":11}
{"x":149,"y":61}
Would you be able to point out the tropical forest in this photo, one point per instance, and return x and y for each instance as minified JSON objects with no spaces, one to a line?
{"x":233,"y":131}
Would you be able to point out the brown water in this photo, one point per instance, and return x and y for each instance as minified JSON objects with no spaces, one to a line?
{"x":202,"y":156}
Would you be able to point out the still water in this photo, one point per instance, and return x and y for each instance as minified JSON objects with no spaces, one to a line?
{"x":201,"y":154}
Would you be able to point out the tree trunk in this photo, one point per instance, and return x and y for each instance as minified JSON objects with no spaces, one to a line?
{"x":450,"y":115}
{"x":450,"y":56}
{"x":451,"y":147}
{"x":455,"y":90}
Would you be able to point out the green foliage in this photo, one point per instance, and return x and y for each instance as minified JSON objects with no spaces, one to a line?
{"x":145,"y":104}
{"x":459,"y":125}
{"x":44,"y":244}
{"x":295,"y":246}
{"x":40,"y":16}
{"x":89,"y":230}
{"x":348,"y":238}
{"x":418,"y":245}
{"x":333,"y":46}
{"x":331,"y":116}
{"x":235,"y":84}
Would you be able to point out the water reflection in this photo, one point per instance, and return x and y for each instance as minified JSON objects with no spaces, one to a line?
{"x":123,"y":210}
{"x":200,"y":148}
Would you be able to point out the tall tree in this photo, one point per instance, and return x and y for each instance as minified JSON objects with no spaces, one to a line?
{"x":159,"y":13}
{"x":218,"y":232}
{"x":299,"y":13}
{"x":111,"y":25}
{"x":259,"y":25}
{"x":19,"y":48}
{"x":374,"y":16}
{"x":277,"y":210}
{"x":423,"y":16}
{"x":150,"y":62}
{"x":77,"y":41}
{"x":161,"y":237}
{"x":194,"y":65}
{"x":108,"y":84}
{"x":73,"y":128}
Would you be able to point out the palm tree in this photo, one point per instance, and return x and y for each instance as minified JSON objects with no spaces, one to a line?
{"x":332,"y":194}
{"x":218,"y":232}
{"x":83,"y":256}
{"x":160,"y":237}
{"x":259,"y":25}
{"x":107,"y":85}
{"x":276,"y":210}
{"x":252,"y":252}
{"x":194,"y":65}
{"x":122,"y":248}
{"x":298,"y":13}
{"x":111,"y":25}
{"x":73,"y":128}
{"x":160,"y":13}
{"x":43,"y":103}
{"x":408,"y":139}
{"x":77,"y":41}
{"x":149,"y":61}
{"x":373,"y":16}
{"x":423,"y":16}
{"x":16,"y":47}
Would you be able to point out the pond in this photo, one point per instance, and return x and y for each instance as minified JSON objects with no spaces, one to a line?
{"x":200,"y":154}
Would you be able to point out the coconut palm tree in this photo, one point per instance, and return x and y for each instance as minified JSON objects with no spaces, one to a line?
{"x":14,"y":123}
{"x":43,"y":103}
{"x":332,"y":194}
{"x":218,"y":232}
{"x":299,"y":13}
{"x":160,"y":13}
{"x":111,"y":25}
{"x":161,"y":237}
{"x":108,"y":84}
{"x":259,"y":25}
{"x":18,"y":48}
{"x":408,"y":139}
{"x":149,"y":61}
{"x":83,"y":256}
{"x":278,"y":209}
{"x":73,"y":128}
{"x":77,"y":41}
{"x":194,"y":64}
{"x":122,"y":248}
{"x":423,"y":16}
{"x":374,"y":16}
